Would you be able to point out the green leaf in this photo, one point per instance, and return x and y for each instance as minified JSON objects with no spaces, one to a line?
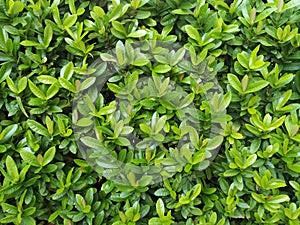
{"x":36,"y":91}
{"x":15,"y":7}
{"x":264,"y":14}
{"x":119,"y":27}
{"x":9,"y":208}
{"x":11,"y":85}
{"x":145,"y":128}
{"x":243,"y":59}
{"x":46,"y":79}
{"x":144,"y":181}
{"x":22,"y":84}
{"x":69,"y":21}
{"x":8,"y":219}
{"x":28,"y":43}
{"x":92,"y":142}
{"x":194,"y":137}
{"x":178,"y":56}
{"x":120,"y":52}
{"x":235,"y":82}
{"x":160,"y":208}
{"x":140,"y":62}
{"x":196,"y":191}
{"x":225,"y":101}
{"x":160,"y":124}
{"x":137,"y":34}
{"x":114,"y":88}
{"x":67,"y":71}
{"x":187,"y":101}
{"x":49,"y":155}
{"x":256,"y":86}
{"x":66,"y":84}
{"x":253,"y":56}
{"x":294,"y":167}
{"x":122,"y":141}
{"x":19,"y":101}
{"x":37,"y":127}
{"x":29,"y":158}
{"x":52,"y":91}
{"x":278,"y":199}
{"x":48,"y":34}
{"x":193,"y":33}
{"x":12,"y":169}
{"x":8,"y":132}
{"x":116,"y":13}
{"x":162,"y":68}
{"x":87,"y":83}
{"x":250,"y":160}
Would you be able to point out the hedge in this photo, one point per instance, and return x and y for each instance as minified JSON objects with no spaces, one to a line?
{"x":149,"y":112}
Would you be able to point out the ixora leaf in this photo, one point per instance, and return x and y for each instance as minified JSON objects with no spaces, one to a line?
{"x":29,"y":158}
{"x":294,"y":167}
{"x":235,"y":82}
{"x":28,"y":43}
{"x":137,"y":34}
{"x":160,"y":208}
{"x":8,"y":132}
{"x":256,"y":86}
{"x":148,"y":64}
{"x":87,"y":83}
{"x":49,"y":155}
{"x":15,"y":7}
{"x":37,"y":128}
{"x":11,"y":85}
{"x":187,"y":101}
{"x":12,"y":169}
{"x":69,"y":21}
{"x":36,"y":91}
{"x":192,"y":32}
{"x":162,"y":68}
{"x":66,"y":84}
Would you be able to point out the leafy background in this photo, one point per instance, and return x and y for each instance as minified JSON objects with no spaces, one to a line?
{"x":45,"y":49}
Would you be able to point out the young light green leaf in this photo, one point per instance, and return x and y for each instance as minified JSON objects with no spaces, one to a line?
{"x":194,"y":137}
{"x":46,"y":79}
{"x":37,"y":127}
{"x":11,"y":85}
{"x":69,"y":21}
{"x":256,"y":86}
{"x":160,"y":124}
{"x":193,"y":33}
{"x":29,"y":158}
{"x":243,"y":59}
{"x":12,"y":169}
{"x":48,"y":34}
{"x":49,"y":155}
{"x":8,"y":132}
{"x":162,"y":68}
{"x":19,"y":101}
{"x":22,"y":84}
{"x":187,"y":101}
{"x":67,"y":71}
{"x":137,"y":34}
{"x":235,"y":82}
{"x":145,"y":128}
{"x":87,"y":83}
{"x":52,"y":91}
{"x":66,"y":84}
{"x":36,"y":91}
{"x":160,"y":208}
{"x":264,"y":14}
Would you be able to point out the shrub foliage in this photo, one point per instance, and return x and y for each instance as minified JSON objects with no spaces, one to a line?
{"x":250,"y":47}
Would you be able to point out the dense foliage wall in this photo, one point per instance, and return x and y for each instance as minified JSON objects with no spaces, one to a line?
{"x":251,"y":47}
